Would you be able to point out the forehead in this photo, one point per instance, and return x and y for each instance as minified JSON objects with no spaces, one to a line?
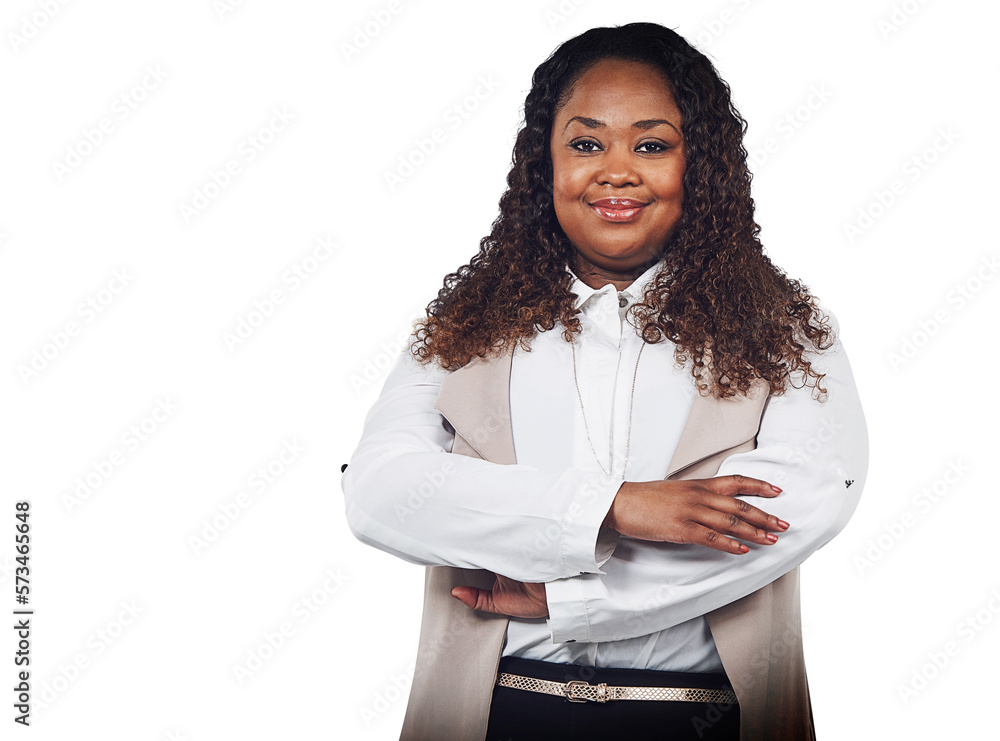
{"x":624,"y":86}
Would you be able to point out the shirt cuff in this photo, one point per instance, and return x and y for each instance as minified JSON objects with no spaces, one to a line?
{"x":586,"y":545}
{"x":568,"y":620}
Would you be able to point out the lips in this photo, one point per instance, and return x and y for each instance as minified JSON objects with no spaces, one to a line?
{"x":618,"y":209}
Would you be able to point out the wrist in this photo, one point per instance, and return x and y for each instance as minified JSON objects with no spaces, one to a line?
{"x":611,"y":519}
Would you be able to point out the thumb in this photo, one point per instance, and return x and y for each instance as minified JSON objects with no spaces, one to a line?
{"x":477,"y":599}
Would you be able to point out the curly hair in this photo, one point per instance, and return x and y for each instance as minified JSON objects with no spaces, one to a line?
{"x":716,"y":296}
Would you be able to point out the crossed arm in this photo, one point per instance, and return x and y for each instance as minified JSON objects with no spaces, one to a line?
{"x":688,"y":546}
{"x":702,"y":512}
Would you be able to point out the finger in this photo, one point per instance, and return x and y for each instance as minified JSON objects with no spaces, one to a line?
{"x":701,"y":535}
{"x":477,"y":599}
{"x":747,"y":512}
{"x":735,"y":484}
{"x":732,"y":524}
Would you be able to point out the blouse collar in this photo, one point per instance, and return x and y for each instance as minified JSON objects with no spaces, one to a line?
{"x":634,"y":291}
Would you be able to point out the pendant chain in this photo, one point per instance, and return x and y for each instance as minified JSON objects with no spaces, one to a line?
{"x":628,"y":438}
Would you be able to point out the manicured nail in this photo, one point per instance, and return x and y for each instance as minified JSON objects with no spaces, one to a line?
{"x":743,"y":548}
{"x":782,"y":524}
{"x":771,"y":537}
{"x":776,"y":488}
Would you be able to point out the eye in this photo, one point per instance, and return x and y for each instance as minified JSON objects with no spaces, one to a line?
{"x":652,"y":147}
{"x":584,"y":145}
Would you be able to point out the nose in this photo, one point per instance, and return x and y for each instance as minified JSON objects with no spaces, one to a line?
{"x":618,"y":168}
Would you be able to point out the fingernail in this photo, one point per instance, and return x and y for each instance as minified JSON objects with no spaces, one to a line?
{"x":743,"y":548}
{"x":776,"y":488}
{"x":782,"y":524}
{"x":771,"y":537}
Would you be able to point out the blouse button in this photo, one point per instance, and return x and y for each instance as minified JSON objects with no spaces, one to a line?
{"x":622,"y":301}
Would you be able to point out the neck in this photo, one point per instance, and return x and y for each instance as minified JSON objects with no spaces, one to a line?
{"x":598,"y":277}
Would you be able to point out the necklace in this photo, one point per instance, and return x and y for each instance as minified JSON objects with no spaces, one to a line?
{"x":628,"y":437}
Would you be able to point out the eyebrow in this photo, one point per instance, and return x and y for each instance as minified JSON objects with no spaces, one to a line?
{"x":593,"y":123}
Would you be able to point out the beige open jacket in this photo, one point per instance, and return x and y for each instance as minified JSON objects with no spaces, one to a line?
{"x":759,"y":637}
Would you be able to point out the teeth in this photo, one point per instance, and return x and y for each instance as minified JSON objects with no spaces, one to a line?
{"x":615,"y":214}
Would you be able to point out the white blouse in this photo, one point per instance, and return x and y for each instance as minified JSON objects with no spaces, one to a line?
{"x":613,"y":601}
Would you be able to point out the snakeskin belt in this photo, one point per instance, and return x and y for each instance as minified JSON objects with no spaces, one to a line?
{"x":580,"y":691}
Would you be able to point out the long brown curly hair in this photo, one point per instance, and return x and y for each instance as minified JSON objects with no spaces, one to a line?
{"x":716,"y":296}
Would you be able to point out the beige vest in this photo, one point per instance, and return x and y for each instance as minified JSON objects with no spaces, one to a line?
{"x":759,"y":637}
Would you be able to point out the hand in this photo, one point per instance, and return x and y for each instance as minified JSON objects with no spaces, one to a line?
{"x":698,"y":511}
{"x":508,"y":597}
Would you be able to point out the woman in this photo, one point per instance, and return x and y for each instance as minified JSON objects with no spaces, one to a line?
{"x":619,"y":431}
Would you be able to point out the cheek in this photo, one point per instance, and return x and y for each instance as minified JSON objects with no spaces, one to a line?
{"x":562,"y":183}
{"x":678,"y":181}
{"x":566,"y":180}
{"x":671,"y":189}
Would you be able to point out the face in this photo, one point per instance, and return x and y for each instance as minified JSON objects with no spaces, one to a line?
{"x":617,"y":166}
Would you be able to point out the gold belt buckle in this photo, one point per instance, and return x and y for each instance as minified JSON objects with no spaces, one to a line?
{"x":571,"y":686}
{"x":573,"y":696}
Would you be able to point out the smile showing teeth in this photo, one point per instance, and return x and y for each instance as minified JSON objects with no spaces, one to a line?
{"x":617,"y":209}
{"x":614,"y":214}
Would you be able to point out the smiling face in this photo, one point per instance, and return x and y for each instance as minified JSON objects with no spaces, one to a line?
{"x":617,"y":169}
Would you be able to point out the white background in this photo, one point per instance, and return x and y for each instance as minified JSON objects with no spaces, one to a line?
{"x":894,"y":76}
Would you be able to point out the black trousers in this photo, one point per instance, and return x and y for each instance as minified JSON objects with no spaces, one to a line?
{"x":520,"y":715}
